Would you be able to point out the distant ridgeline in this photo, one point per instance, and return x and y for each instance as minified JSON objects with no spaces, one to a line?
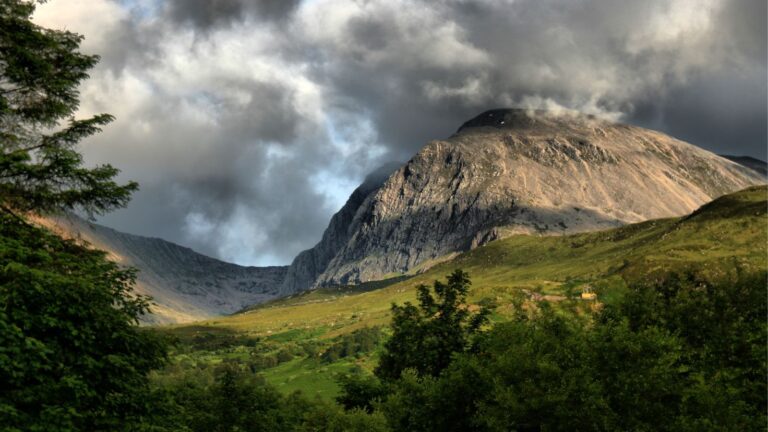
{"x":750,"y":162}
{"x":185,"y":285}
{"x":503,"y":173}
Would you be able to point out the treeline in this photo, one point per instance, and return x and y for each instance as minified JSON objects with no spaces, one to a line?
{"x":679,"y":352}
{"x":353,"y":344}
{"x":231,"y":397}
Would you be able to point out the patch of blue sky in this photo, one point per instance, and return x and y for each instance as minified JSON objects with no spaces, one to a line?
{"x":335,"y":188}
{"x":355,"y":143}
{"x":142,"y":9}
{"x":353,"y":134}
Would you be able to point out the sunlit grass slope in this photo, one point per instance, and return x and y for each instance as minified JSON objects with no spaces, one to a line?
{"x":724,"y":235}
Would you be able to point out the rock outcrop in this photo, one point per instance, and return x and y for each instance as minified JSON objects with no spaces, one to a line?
{"x":305,"y":268}
{"x":507,"y":172}
{"x":185,"y":285}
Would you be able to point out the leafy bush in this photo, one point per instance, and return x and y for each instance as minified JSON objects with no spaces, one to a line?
{"x":358,"y":342}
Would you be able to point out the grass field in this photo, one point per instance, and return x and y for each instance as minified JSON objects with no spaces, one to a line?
{"x":725,"y":236}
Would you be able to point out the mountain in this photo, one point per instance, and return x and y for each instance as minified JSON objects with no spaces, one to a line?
{"x":750,"y":162}
{"x":507,"y":172}
{"x":723,"y":238}
{"x":185,"y":285}
{"x":312,"y":262}
{"x":718,"y":237}
{"x":504,"y":172}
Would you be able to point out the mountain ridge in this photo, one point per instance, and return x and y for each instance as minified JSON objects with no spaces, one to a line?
{"x":755,"y":164}
{"x":502,"y":173}
{"x":185,"y":285}
{"x":511,"y":171}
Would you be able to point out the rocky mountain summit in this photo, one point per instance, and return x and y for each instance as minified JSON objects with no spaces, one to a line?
{"x":502,"y":173}
{"x":185,"y":285}
{"x":511,"y":172}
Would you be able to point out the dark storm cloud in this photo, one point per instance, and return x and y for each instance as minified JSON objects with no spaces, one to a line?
{"x":220,"y":181}
{"x":206,"y":14}
{"x":624,"y":58}
{"x":247,"y":123}
{"x":724,"y":109}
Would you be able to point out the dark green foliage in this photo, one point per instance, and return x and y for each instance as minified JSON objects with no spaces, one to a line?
{"x":426,"y":337}
{"x":284,"y":356}
{"x":71,"y":356}
{"x":230,"y":398}
{"x":40,"y":169}
{"x":409,"y":404}
{"x":324,"y":416}
{"x":680,"y":353}
{"x":721,"y":327}
{"x":260,"y":362}
{"x":358,"y":342}
{"x":551,"y":373}
{"x":360,"y":392}
{"x":209,"y":341}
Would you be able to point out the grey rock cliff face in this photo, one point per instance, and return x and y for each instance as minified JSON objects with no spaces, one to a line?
{"x":305,"y":268}
{"x":185,"y":285}
{"x":509,"y":172}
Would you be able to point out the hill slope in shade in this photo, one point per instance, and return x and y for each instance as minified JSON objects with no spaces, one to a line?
{"x":185,"y":285}
{"x":511,"y":172}
{"x":727,"y":235}
{"x":750,"y":162}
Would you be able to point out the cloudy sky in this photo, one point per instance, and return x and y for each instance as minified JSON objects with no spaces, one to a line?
{"x":249,"y":122}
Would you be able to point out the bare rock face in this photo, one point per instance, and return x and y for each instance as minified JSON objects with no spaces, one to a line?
{"x":508,"y":172}
{"x":305,"y":268}
{"x":185,"y":285}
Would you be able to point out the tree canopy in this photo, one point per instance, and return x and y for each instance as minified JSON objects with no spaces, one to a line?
{"x":40,"y":167}
{"x":71,"y":355}
{"x":426,"y":337}
{"x":678,"y":353}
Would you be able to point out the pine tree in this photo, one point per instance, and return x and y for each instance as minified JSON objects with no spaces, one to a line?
{"x":40,"y":168}
{"x":71,"y":355}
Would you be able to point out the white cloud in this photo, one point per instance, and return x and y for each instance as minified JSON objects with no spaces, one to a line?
{"x":249,"y":122}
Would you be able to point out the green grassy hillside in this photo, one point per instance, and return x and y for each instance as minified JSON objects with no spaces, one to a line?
{"x":727,"y":235}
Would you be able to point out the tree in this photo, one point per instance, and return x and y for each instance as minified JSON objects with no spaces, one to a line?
{"x":230,"y":398}
{"x":40,"y":168}
{"x":360,"y":391}
{"x":679,"y":353}
{"x":71,"y":355}
{"x":425,"y":338}
{"x":720,"y":324}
